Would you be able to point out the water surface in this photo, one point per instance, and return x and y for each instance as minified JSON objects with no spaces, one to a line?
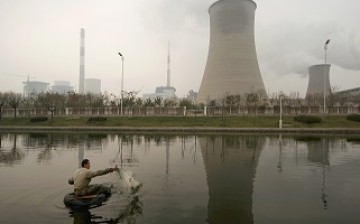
{"x":232,"y":178}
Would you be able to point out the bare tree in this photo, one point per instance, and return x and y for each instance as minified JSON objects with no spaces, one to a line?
{"x":138,"y":102}
{"x":14,"y":100}
{"x":186,"y":103}
{"x":51,"y":101}
{"x":3,"y":100}
{"x":252,"y":100}
{"x":332,"y":99}
{"x":170,"y":103}
{"x":158,"y":101}
{"x":315,"y":99}
{"x":232,"y":101}
{"x":149,"y":103}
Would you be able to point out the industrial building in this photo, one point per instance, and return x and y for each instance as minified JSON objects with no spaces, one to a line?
{"x":34,"y":87}
{"x":232,"y":66}
{"x":62,"y":87}
{"x":319,"y":80}
{"x":164,"y":92}
{"x":351,"y":95}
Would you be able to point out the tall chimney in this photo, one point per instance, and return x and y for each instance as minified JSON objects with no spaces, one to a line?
{"x":168,"y":67}
{"x":82,"y":61}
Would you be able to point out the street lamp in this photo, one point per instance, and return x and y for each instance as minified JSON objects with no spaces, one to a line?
{"x":122,"y":83}
{"x":325,"y":48}
{"x":281,"y":111}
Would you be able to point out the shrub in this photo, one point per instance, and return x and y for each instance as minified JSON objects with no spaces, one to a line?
{"x":307,"y":119}
{"x":97,"y":119}
{"x":353,"y":117}
{"x":38,"y":119}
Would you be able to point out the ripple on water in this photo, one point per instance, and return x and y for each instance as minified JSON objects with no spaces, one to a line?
{"x":41,"y":204}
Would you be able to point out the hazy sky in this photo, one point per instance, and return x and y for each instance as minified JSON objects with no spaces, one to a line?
{"x":42,"y":39}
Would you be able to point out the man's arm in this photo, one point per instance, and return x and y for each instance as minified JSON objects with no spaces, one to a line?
{"x":103,"y":172}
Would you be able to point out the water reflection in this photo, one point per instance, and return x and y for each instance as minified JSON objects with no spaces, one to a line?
{"x":11,"y":155}
{"x":193,"y":179}
{"x":230,"y":164}
{"x":319,"y":154}
{"x":311,"y":181}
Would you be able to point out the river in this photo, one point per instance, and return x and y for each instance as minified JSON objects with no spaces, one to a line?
{"x":185,"y":178}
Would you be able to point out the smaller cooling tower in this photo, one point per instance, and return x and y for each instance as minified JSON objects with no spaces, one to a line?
{"x":319,"y":78}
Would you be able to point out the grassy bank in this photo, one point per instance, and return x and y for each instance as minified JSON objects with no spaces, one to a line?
{"x":215,"y":122}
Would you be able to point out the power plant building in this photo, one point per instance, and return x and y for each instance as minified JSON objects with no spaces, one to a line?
{"x":167,"y":92}
{"x":319,"y":78}
{"x":232,"y":66}
{"x":62,"y":87}
{"x":34,"y":87}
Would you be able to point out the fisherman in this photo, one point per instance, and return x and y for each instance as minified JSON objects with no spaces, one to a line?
{"x":82,"y":179}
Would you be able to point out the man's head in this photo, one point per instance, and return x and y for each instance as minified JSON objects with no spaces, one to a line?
{"x":85,"y":163}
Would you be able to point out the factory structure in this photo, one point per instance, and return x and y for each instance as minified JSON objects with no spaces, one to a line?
{"x":34,"y":87}
{"x":86,"y":85}
{"x":232,"y":67}
{"x":62,"y":87}
{"x":319,"y":84}
{"x":82,"y":61}
{"x":164,"y":92}
{"x":319,"y":81}
{"x":89,"y":85}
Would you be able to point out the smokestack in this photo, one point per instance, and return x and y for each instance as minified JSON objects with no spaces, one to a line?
{"x":82,"y":61}
{"x":232,"y":66}
{"x":168,"y":67}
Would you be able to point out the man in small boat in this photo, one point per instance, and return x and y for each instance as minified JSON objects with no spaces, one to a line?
{"x":82,"y":179}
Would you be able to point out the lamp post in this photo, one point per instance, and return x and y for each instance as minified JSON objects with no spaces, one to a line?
{"x":325,"y":49}
{"x":122,"y":83}
{"x":281,"y":111}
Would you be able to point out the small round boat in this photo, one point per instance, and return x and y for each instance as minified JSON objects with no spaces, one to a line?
{"x":88,"y":201}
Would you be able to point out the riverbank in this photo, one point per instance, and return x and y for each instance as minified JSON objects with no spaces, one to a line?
{"x":329,"y":124}
{"x":179,"y":129}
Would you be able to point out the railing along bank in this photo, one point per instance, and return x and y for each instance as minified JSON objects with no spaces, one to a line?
{"x":183,"y":111}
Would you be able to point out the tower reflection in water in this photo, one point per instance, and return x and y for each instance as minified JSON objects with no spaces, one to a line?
{"x":230,"y":164}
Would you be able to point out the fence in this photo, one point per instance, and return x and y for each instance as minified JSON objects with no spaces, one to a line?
{"x":182,"y":111}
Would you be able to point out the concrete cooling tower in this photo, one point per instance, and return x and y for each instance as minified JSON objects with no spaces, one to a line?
{"x":232,"y":66}
{"x":319,"y":78}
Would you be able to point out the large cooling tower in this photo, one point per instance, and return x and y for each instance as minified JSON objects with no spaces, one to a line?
{"x":319,"y":79}
{"x":232,"y":66}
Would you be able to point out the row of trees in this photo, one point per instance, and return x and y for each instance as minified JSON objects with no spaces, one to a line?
{"x":55,"y":101}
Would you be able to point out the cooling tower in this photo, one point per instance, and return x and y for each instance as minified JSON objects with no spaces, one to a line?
{"x":319,"y":79}
{"x":82,"y":61}
{"x":232,"y":67}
